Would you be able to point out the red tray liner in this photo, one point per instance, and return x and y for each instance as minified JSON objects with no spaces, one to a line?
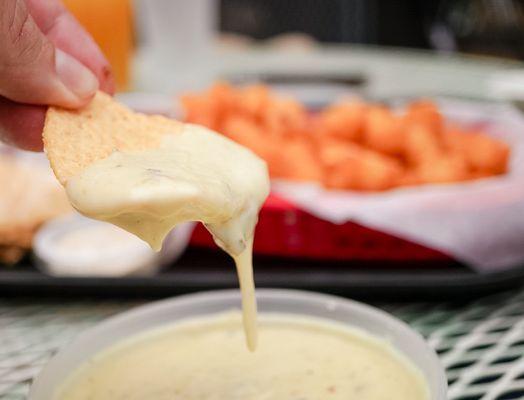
{"x":285,"y":230}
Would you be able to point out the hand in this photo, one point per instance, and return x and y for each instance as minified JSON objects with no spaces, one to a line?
{"x":46,"y":58}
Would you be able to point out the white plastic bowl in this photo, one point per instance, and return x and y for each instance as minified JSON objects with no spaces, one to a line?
{"x":102,"y":249}
{"x":113,"y":330}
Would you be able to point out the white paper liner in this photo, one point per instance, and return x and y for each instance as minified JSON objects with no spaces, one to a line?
{"x":480,"y":223}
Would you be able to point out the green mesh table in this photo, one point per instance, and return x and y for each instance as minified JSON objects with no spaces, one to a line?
{"x":481,"y":343}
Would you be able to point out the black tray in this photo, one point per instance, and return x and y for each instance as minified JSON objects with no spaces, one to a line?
{"x":203,"y":269}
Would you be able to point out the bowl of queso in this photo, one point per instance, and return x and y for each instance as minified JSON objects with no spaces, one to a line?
{"x":192,"y":347}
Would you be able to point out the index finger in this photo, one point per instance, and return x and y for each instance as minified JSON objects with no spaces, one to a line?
{"x":66,"y":33}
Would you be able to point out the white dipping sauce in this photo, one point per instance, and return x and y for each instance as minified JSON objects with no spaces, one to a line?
{"x":195,"y":175}
{"x":298,"y":358}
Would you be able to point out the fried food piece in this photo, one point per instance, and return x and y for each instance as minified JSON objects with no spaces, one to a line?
{"x":487,"y":154}
{"x":384,"y":131}
{"x":409,"y":178}
{"x":287,"y":158}
{"x":454,"y":139}
{"x":479,"y":175}
{"x":425,"y":113}
{"x":253,"y":101}
{"x":247,"y":133}
{"x":223,"y":95}
{"x":350,"y":166}
{"x":212,"y":107}
{"x":484,"y":154}
{"x":422,"y":146}
{"x":446,"y":169}
{"x":201,"y":110}
{"x":285,"y":117}
{"x":302,"y":162}
{"x":345,"y":120}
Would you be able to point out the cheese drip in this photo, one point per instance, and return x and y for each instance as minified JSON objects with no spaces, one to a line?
{"x":196,"y":175}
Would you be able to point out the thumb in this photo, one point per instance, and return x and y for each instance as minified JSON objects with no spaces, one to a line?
{"x":32,"y":70}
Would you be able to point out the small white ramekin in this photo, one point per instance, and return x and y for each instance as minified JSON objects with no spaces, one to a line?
{"x":104,"y":250}
{"x":165,"y":312}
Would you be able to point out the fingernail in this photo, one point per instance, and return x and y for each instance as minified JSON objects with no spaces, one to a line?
{"x":74,"y":75}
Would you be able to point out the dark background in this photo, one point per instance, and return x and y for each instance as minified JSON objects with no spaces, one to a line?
{"x":487,"y":27}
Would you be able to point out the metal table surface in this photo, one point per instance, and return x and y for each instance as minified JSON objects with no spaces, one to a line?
{"x":481,"y":342}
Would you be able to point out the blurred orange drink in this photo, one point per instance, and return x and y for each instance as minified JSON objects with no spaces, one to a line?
{"x":110,"y":24}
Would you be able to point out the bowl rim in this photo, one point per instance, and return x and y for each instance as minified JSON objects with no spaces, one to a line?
{"x":194,"y":299}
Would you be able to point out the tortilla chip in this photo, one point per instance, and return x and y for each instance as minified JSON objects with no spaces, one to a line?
{"x":74,"y":139}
